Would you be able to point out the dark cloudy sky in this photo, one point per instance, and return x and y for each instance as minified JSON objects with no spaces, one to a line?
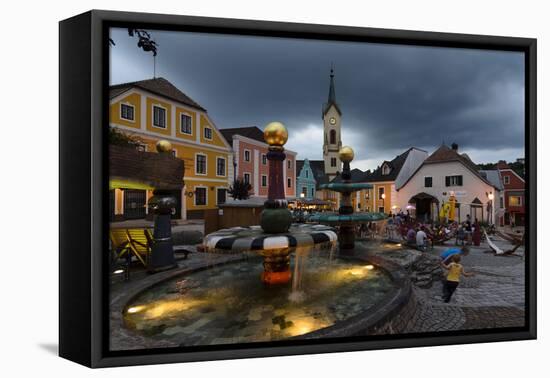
{"x":392,"y":97}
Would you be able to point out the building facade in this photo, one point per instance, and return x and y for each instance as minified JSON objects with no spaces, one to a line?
{"x":155,"y":109}
{"x":305,"y":181}
{"x":386,"y":181}
{"x":514,"y":195}
{"x":443,"y":174}
{"x":250,"y":160}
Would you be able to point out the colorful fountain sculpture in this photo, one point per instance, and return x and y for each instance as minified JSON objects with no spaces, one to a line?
{"x":346,"y":218}
{"x":276,"y":238}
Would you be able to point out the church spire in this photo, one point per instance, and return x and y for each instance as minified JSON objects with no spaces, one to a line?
{"x":331,"y":94}
{"x":331,"y":91}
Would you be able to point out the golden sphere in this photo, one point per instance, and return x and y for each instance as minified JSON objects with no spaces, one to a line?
{"x":275,"y":134}
{"x":164,"y":146}
{"x":346,"y":154}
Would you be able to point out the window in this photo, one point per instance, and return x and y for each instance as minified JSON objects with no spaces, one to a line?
{"x":221,"y":195}
{"x":127,"y":112}
{"x":332,"y":137}
{"x":515,"y":200}
{"x":381,"y":209}
{"x":207,"y":133}
{"x":506,"y":180}
{"x":264,"y":180}
{"x":264,"y":159}
{"x":289,"y":183}
{"x":289,"y":164}
{"x":312,"y":192}
{"x":381,"y":193}
{"x":427,"y":182}
{"x":307,"y":174}
{"x":246,"y":177}
{"x":304,"y":191}
{"x":159,"y":117}
{"x":186,"y":124}
{"x":453,"y":180}
{"x":200,"y":196}
{"x":220,"y":166}
{"x":200,"y":164}
{"x":501,"y":202}
{"x":333,"y":162}
{"x":246,"y":155}
{"x":386,"y":169}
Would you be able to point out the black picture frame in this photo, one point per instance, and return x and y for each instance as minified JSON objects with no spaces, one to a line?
{"x":83,"y":182}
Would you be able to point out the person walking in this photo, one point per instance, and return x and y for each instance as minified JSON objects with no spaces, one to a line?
{"x":456,"y":270}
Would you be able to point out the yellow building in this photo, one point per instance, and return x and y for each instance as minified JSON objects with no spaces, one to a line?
{"x":155,"y":109}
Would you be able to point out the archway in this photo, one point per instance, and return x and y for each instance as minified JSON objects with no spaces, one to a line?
{"x":426,"y":206}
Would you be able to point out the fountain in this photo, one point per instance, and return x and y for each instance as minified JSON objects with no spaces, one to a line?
{"x":346,"y":219}
{"x":276,"y":238}
{"x":213,"y":304}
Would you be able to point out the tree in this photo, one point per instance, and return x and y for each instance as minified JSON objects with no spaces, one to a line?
{"x":240,"y":190}
{"x":144,"y":40}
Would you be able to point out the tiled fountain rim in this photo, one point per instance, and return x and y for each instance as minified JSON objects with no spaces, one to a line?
{"x":372,"y":319}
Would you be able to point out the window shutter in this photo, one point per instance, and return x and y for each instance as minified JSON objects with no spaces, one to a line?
{"x":459,"y":180}
{"x":447,"y":181}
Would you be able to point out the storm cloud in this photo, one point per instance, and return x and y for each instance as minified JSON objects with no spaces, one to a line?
{"x":392,"y":97}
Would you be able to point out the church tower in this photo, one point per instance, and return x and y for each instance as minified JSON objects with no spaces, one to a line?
{"x":332,"y":132}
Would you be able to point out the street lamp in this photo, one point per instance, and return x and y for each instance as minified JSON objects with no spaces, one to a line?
{"x":491,"y":196}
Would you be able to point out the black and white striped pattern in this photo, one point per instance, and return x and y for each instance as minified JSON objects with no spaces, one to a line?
{"x":244,"y":239}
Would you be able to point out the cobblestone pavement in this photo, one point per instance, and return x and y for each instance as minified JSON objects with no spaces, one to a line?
{"x":493,"y":298}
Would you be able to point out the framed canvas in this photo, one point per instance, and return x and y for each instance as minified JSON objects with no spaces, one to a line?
{"x":234,"y":188}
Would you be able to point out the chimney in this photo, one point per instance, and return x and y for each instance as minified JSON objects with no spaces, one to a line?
{"x":454,"y":146}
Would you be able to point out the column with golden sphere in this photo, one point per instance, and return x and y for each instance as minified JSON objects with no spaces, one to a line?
{"x":346,"y":232}
{"x":276,"y":217}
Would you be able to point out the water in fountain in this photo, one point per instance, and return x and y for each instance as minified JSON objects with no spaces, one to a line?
{"x":228,"y":304}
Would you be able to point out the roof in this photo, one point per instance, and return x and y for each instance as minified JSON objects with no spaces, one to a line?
{"x":318,"y":169}
{"x":493,"y":176}
{"x":357,"y":175}
{"x":299,"y":166}
{"x":159,"y":86}
{"x":445,"y":154}
{"x":395,"y":167}
{"x":331,"y":96}
{"x":252,"y":132}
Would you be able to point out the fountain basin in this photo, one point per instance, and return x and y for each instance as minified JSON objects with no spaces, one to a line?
{"x":346,"y":187}
{"x":225,"y":304}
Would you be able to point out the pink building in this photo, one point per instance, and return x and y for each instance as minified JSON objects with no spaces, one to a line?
{"x":250,"y":160}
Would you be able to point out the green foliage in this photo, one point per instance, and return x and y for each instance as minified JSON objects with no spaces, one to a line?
{"x":240,"y":190}
{"x":120,"y":138}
